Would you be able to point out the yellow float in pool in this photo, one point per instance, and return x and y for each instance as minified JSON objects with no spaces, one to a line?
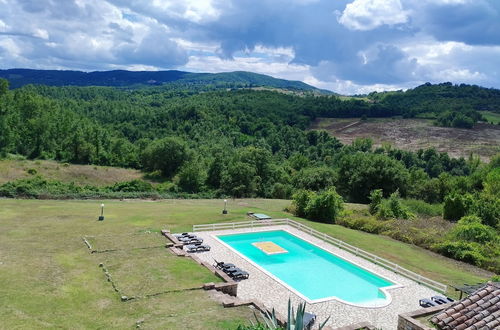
{"x":269,"y":247}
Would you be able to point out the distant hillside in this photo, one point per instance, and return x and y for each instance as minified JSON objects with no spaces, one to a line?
{"x":436,"y":98}
{"x":122,"y":78}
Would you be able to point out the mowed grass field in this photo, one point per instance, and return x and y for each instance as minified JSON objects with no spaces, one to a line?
{"x":49,"y":279}
{"x":415,"y":134}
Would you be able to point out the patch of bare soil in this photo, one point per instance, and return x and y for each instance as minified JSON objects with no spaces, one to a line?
{"x":414,"y":134}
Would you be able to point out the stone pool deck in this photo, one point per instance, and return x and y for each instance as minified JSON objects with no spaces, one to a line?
{"x":272,"y":294}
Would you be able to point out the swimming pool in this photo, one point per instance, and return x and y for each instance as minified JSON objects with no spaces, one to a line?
{"x":308,"y":270}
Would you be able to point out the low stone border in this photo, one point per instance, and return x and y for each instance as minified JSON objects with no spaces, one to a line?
{"x":357,"y":326}
{"x":408,"y":321}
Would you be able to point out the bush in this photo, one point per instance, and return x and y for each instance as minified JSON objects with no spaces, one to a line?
{"x":324,"y":206}
{"x":376,"y":197}
{"x":393,"y":208}
{"x":281,"y":191}
{"x":300,"y":200}
{"x":457,"y":205}
{"x":471,"y":229}
{"x":132,"y":186}
{"x":423,"y":208}
{"x":32,"y":171}
{"x":464,"y":251}
{"x":488,"y":209}
{"x":191,"y":177}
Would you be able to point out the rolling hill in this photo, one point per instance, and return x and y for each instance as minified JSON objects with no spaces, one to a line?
{"x":121,"y":78}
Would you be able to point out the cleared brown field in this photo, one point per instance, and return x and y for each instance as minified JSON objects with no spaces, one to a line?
{"x":414,"y":134}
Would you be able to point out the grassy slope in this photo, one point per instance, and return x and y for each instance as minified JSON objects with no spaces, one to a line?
{"x":491,"y":116}
{"x":48,"y":278}
{"x":80,"y":174}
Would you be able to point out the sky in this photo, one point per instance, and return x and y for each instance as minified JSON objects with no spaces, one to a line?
{"x":348,"y":46}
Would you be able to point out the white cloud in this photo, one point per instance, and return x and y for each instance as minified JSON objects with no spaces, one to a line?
{"x":370,"y":14}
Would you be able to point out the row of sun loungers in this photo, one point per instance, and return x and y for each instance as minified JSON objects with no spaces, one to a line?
{"x":197,"y":248}
{"x":188,"y":239}
{"x":192,"y":243}
{"x":231,"y":270}
{"x":434,"y":301}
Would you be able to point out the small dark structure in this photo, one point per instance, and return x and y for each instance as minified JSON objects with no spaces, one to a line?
{"x":259,"y":216}
{"x":480,"y":310}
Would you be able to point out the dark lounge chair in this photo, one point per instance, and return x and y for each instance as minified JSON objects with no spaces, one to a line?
{"x":222,"y":264}
{"x":197,"y":248}
{"x":202,"y":247}
{"x":230,"y":270}
{"x":308,"y":320}
{"x":426,"y":303}
{"x":441,"y":300}
{"x":239,"y":275}
{"x":191,"y":248}
{"x":188,"y":240}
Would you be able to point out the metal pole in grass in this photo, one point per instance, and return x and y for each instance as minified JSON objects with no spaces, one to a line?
{"x":225,"y":207}
{"x":101,"y":217}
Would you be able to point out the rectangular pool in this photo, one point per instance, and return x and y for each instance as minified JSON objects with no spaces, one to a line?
{"x":307,"y":269}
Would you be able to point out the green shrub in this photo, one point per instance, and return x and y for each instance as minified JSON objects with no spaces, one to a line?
{"x":300,"y":200}
{"x":488,"y":209}
{"x":281,"y":191}
{"x":471,"y":229}
{"x":324,"y":206}
{"x":457,"y":205}
{"x":132,"y":186}
{"x":32,"y":171}
{"x":191,"y":177}
{"x":376,"y":197}
{"x":423,"y":208}
{"x":465,"y":251}
{"x":393,"y":208}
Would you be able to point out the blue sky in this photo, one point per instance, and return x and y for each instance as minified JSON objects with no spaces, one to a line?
{"x":349,"y":46}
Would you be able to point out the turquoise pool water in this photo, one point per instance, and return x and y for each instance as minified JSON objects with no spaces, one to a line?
{"x":311,"y":271}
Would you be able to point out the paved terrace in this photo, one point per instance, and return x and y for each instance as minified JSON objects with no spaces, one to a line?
{"x":273,"y":294}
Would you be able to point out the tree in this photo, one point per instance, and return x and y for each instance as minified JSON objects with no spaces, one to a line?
{"x":376,"y":197}
{"x":191,"y":177}
{"x":315,"y":178}
{"x":360,"y":173}
{"x":4,"y":86}
{"x":166,"y":155}
{"x":325,"y":206}
{"x":239,"y":179}
{"x":457,"y":205}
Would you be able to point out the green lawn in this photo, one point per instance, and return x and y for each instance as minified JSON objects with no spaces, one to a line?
{"x":491,"y":116}
{"x":49,"y":279}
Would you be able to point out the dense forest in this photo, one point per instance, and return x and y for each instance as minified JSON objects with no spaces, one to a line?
{"x":248,"y":143}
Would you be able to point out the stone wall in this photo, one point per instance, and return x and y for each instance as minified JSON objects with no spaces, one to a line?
{"x":408,"y":321}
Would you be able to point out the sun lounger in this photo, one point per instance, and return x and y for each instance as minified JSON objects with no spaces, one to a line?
{"x":441,"y":300}
{"x":239,"y":275}
{"x":202,"y":247}
{"x":230,"y":270}
{"x":184,"y":235}
{"x":222,"y":264}
{"x":193,"y":241}
{"x":426,"y":303}
{"x":308,"y":320}
{"x":196,"y":248}
{"x":191,"y":248}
